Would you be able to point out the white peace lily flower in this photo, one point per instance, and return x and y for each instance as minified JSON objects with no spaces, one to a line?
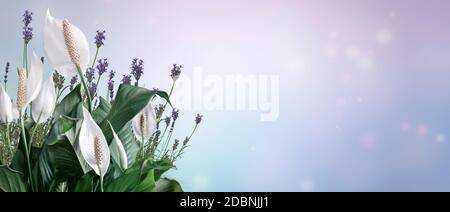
{"x":93,"y":145}
{"x":34,"y":80}
{"x":6,"y":113}
{"x":118,"y":151}
{"x":144,"y":123}
{"x":65,"y":46}
{"x":44,"y":104}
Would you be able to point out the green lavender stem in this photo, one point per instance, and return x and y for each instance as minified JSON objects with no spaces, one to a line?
{"x":27,"y":148}
{"x":95,"y":58}
{"x":86,"y":89}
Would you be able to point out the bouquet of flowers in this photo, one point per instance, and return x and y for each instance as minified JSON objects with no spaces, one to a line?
{"x":57,"y":137}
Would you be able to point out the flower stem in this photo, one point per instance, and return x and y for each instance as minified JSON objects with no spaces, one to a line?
{"x":95,"y":58}
{"x":25,"y":56}
{"x":165,"y":105}
{"x":142,"y":146}
{"x":101,"y":177}
{"x":86,"y":89}
{"x":27,"y":152}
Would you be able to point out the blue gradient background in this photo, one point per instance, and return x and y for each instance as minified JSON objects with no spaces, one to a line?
{"x":364,"y":96}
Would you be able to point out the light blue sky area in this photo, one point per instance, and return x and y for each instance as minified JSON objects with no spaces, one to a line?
{"x":364,"y":85}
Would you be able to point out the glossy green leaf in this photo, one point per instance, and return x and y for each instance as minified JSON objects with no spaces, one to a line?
{"x":102,"y":111}
{"x":69,"y":103}
{"x":11,"y":180}
{"x":129,"y":101}
{"x":168,"y":185}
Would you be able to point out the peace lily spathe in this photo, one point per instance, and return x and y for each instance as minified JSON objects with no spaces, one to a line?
{"x":34,"y":81}
{"x":118,"y":152}
{"x":44,"y":104}
{"x":93,"y":145}
{"x":29,"y":84}
{"x":65,"y":45}
{"x":6,"y":113}
{"x":144,"y":123}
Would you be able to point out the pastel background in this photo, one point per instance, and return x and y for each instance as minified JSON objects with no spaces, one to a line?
{"x":364,"y":85}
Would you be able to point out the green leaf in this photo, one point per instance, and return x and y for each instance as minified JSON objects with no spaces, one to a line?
{"x":130,"y":100}
{"x":44,"y":166}
{"x":147,"y":184}
{"x":102,"y":111}
{"x":129,"y":143}
{"x":140,"y":178}
{"x":168,"y":185}
{"x":161,"y":167}
{"x":64,"y":160}
{"x":125,"y":183}
{"x":85,"y":183}
{"x":11,"y":180}
{"x":69,"y":103}
{"x":165,"y":96}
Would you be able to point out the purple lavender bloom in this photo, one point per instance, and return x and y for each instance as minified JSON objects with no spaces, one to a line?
{"x":112,"y":74}
{"x":111,"y":89}
{"x":99,"y":38}
{"x":137,"y":67}
{"x":159,"y":109}
{"x":90,"y":74}
{"x":102,"y":66}
{"x":27,"y":34}
{"x":27,"y":17}
{"x":176,"y":71}
{"x":198,"y":119}
{"x":58,"y":79}
{"x":167,"y":120}
{"x":5,"y":77}
{"x":175,"y":114}
{"x":126,"y":79}
{"x":73,"y":81}
{"x":93,"y":89}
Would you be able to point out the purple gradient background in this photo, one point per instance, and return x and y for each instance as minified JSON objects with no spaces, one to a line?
{"x":364,"y":97}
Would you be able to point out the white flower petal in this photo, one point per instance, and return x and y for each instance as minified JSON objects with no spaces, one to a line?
{"x":34,"y":81}
{"x":44,"y":104}
{"x":149,"y":121}
{"x":118,"y":152}
{"x":89,"y":130}
{"x":6,"y":114}
{"x":15,"y":112}
{"x":56,"y":49}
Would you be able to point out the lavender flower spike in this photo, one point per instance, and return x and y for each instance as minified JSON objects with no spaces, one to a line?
{"x":198,"y":119}
{"x":90,"y":74}
{"x":27,"y":17}
{"x":5,"y":79}
{"x":93,"y":89}
{"x":99,"y":38}
{"x":102,"y":66}
{"x":73,"y":81}
{"x":27,"y":34}
{"x":175,"y":114}
{"x":175,"y":72}
{"x":126,"y":79}
{"x":137,"y":67}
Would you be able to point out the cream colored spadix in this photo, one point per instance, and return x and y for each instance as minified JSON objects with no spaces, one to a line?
{"x":65,"y":44}
{"x":144,"y":123}
{"x":6,"y":113}
{"x":93,"y":145}
{"x":29,"y":84}
{"x":44,"y":104}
